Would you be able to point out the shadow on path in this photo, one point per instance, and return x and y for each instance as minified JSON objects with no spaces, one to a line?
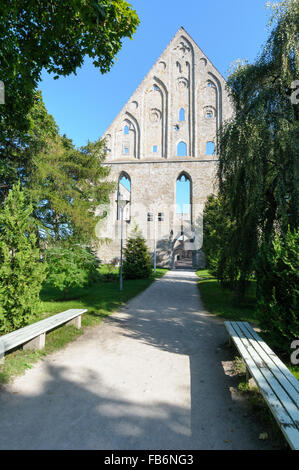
{"x":106,"y":397}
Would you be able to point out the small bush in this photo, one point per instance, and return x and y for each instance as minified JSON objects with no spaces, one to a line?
{"x":73,"y":266}
{"x":277,"y":292}
{"x":137,"y":262}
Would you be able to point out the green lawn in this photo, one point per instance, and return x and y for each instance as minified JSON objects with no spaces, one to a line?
{"x":220,"y":301}
{"x":101,"y":299}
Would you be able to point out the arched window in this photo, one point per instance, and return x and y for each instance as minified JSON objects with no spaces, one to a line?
{"x":182,"y":149}
{"x":183,"y":196}
{"x":182,"y":114}
{"x":210,"y":148}
{"x":124,"y":192}
{"x":126,"y":130}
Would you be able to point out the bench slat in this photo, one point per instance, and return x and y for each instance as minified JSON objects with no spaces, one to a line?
{"x":279,"y":375}
{"x":282,"y":395}
{"x":287,"y":373}
{"x":255,"y":372}
{"x":283,"y":418}
{"x":22,"y":335}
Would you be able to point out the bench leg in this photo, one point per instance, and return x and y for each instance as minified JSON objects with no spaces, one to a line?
{"x":36,"y":343}
{"x":75,"y":322}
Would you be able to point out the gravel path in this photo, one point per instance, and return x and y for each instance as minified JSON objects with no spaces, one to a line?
{"x":152,"y":376}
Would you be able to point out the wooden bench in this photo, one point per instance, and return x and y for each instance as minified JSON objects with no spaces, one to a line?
{"x":278,"y":385}
{"x":34,"y":336}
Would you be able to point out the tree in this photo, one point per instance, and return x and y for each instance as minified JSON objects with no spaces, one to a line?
{"x":18,"y":152}
{"x":54,"y":35}
{"x":65,"y":184}
{"x":218,"y":231}
{"x":277,"y":267}
{"x":137,"y":262}
{"x":258,"y":165}
{"x":21,"y":271}
{"x":70,"y":266}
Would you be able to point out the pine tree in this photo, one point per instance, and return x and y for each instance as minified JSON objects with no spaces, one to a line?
{"x":137,"y":262}
{"x":21,"y":271}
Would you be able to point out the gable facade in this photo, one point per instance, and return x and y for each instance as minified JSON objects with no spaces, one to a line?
{"x":167,"y":129}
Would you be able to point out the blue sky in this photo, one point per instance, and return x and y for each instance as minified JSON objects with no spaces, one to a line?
{"x":84,"y":105}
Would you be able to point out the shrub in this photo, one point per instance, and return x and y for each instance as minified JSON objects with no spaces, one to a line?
{"x":277,"y":292}
{"x":109,"y":272}
{"x":21,"y":271}
{"x":70,"y":266}
{"x":137,"y":261}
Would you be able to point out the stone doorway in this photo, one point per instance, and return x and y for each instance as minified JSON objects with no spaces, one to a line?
{"x":182,"y":257}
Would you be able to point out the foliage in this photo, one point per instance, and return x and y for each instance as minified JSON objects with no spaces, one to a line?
{"x":109,"y":272}
{"x":21,"y":272}
{"x":19,"y":148}
{"x":217,"y":232}
{"x":70,"y":266}
{"x":258,"y":148}
{"x":137,"y":262}
{"x":278,"y":273}
{"x":54,"y":36}
{"x":65,"y":185}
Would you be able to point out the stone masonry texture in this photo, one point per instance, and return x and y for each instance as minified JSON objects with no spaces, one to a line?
{"x":159,"y":136}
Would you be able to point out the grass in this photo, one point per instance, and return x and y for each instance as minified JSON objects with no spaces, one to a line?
{"x":220,"y":301}
{"x":295,"y":371}
{"x":101,"y":299}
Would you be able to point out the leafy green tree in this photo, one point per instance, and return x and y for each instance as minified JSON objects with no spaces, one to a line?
{"x":218,"y":232}
{"x":70,"y":266}
{"x":214,"y":228}
{"x":277,"y":268}
{"x":65,"y":184}
{"x":137,"y":261}
{"x":21,"y":271}
{"x":56,"y":36}
{"x":258,"y":148}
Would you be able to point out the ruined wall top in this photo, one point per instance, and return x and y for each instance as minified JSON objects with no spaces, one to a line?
{"x":176,"y":111}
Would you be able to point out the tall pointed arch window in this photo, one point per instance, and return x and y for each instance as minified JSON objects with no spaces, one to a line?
{"x":183,"y":195}
{"x":124,"y":192}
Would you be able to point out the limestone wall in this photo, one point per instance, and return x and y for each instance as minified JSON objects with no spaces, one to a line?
{"x":181,"y":100}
